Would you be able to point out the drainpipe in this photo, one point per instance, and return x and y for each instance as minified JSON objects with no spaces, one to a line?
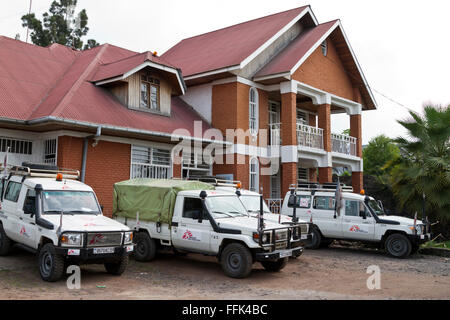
{"x":85,"y":149}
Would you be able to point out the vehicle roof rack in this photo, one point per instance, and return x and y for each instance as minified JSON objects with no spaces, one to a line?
{"x":216,"y":181}
{"x":327,"y":186}
{"x":42,"y":171}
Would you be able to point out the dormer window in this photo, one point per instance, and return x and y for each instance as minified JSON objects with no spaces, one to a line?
{"x":324,"y":47}
{"x":149,"y":93}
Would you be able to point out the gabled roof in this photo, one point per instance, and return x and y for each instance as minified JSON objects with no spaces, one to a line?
{"x":297,"y":51}
{"x":293,"y":56}
{"x":231,"y":47}
{"x":54,"y":84}
{"x":121,"y":69}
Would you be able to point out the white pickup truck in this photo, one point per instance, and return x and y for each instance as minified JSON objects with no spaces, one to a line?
{"x":191,"y":216}
{"x":359,"y":218}
{"x":46,"y":211}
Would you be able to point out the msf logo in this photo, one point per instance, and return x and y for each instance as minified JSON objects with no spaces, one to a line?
{"x":187,"y":235}
{"x":23,"y":232}
{"x":98,"y":238}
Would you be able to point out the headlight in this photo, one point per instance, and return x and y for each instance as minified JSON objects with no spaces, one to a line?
{"x":418,"y":229}
{"x":128,"y":237}
{"x":72,"y":240}
{"x":265,"y":237}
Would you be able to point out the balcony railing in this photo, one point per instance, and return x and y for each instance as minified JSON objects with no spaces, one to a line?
{"x":275,"y":134}
{"x":308,"y":136}
{"x":342,"y":143}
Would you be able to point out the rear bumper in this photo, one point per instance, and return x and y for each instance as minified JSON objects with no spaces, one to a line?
{"x":278,"y":254}
{"x":89,"y":254}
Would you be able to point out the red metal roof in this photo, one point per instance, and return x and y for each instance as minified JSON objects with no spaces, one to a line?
{"x":295,"y":51}
{"x":120,"y":67}
{"x":229,"y":46}
{"x":38,"y":82}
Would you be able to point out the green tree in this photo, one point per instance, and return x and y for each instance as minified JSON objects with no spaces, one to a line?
{"x":60,"y":25}
{"x":424,"y":165}
{"x":377,"y":154}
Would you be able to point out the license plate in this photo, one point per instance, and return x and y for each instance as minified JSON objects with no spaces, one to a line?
{"x":103,"y":250}
{"x":285,"y":253}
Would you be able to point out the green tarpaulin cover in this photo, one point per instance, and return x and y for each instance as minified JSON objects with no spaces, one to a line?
{"x":154,"y":199}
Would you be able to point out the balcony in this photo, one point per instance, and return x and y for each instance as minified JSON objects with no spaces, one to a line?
{"x":308,"y":136}
{"x":344,"y":144}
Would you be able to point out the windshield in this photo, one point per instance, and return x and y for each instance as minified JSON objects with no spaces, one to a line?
{"x":225,"y":207}
{"x":251,"y":203}
{"x":71,"y":202}
{"x":376,"y":208}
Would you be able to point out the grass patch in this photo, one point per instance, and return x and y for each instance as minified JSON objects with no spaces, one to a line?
{"x":435,"y":244}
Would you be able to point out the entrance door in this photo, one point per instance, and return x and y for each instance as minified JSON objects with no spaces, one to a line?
{"x":353,"y":224}
{"x":191,"y":234}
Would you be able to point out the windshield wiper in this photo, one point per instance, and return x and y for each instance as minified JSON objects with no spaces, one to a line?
{"x":81,"y":211}
{"x":220,"y":212}
{"x":257,"y":211}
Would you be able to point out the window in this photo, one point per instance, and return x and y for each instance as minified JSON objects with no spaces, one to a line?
{"x":302,"y":202}
{"x":13,"y":191}
{"x":324,"y":203}
{"x":254,"y":175}
{"x":253,"y":111}
{"x":150,"y":163}
{"x":353,"y":208}
{"x":50,"y":151}
{"x":196,"y":164}
{"x":302,"y":175}
{"x":149,"y":92}
{"x":191,"y":207}
{"x":29,"y":206}
{"x":324,"y":47}
{"x":16,"y":146}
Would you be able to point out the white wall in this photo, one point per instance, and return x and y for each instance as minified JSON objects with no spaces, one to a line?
{"x":200,"y":98}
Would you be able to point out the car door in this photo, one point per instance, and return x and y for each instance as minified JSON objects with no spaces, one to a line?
{"x":27,"y":217}
{"x":190,"y":234}
{"x":354,"y":226}
{"x":323,"y":216}
{"x":9,"y":207}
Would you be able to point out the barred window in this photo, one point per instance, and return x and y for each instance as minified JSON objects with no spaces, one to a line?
{"x":50,"y":151}
{"x":16,"y":146}
{"x":150,"y":163}
{"x":196,"y":164}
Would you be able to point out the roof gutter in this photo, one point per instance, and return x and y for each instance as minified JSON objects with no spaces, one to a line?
{"x":113,"y":128}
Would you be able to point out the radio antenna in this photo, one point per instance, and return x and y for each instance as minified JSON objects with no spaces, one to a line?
{"x":29,"y":12}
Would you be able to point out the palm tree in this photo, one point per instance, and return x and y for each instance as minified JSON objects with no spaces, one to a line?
{"x":421,"y":175}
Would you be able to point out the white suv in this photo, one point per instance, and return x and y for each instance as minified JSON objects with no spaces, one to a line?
{"x":360,"y":218}
{"x":47,"y":212}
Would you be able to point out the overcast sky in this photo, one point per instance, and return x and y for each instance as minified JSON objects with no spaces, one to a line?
{"x":402,"y":45}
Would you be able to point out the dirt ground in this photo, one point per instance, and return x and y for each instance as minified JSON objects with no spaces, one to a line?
{"x":331,"y":273}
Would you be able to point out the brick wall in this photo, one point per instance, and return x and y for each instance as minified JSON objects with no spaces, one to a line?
{"x":106,"y":164}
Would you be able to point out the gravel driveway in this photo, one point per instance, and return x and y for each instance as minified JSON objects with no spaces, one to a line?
{"x":332,"y":273}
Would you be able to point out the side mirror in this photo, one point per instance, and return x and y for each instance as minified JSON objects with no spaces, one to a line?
{"x":28,"y":209}
{"x":363,"y":214}
{"x":198,"y":215}
{"x":291,"y":201}
{"x":101,"y":208}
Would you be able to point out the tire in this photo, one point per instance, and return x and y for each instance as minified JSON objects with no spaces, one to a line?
{"x":316,"y":239}
{"x":275,"y":266}
{"x":324,"y":243}
{"x":5,"y":242}
{"x":397,"y":245}
{"x":51,"y":265}
{"x":236,"y":261}
{"x":145,"y":249}
{"x":119,"y":267}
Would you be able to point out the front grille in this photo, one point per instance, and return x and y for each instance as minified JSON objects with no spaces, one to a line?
{"x":281,"y":235}
{"x":104,"y":239}
{"x":281,"y":245}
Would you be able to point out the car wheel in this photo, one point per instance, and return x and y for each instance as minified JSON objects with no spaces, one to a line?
{"x":5,"y":242}
{"x":117,"y":268}
{"x":275,"y":266}
{"x":145,"y":249}
{"x":51,"y":265}
{"x":316,"y":239}
{"x":398,"y":245}
{"x":236,"y":260}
